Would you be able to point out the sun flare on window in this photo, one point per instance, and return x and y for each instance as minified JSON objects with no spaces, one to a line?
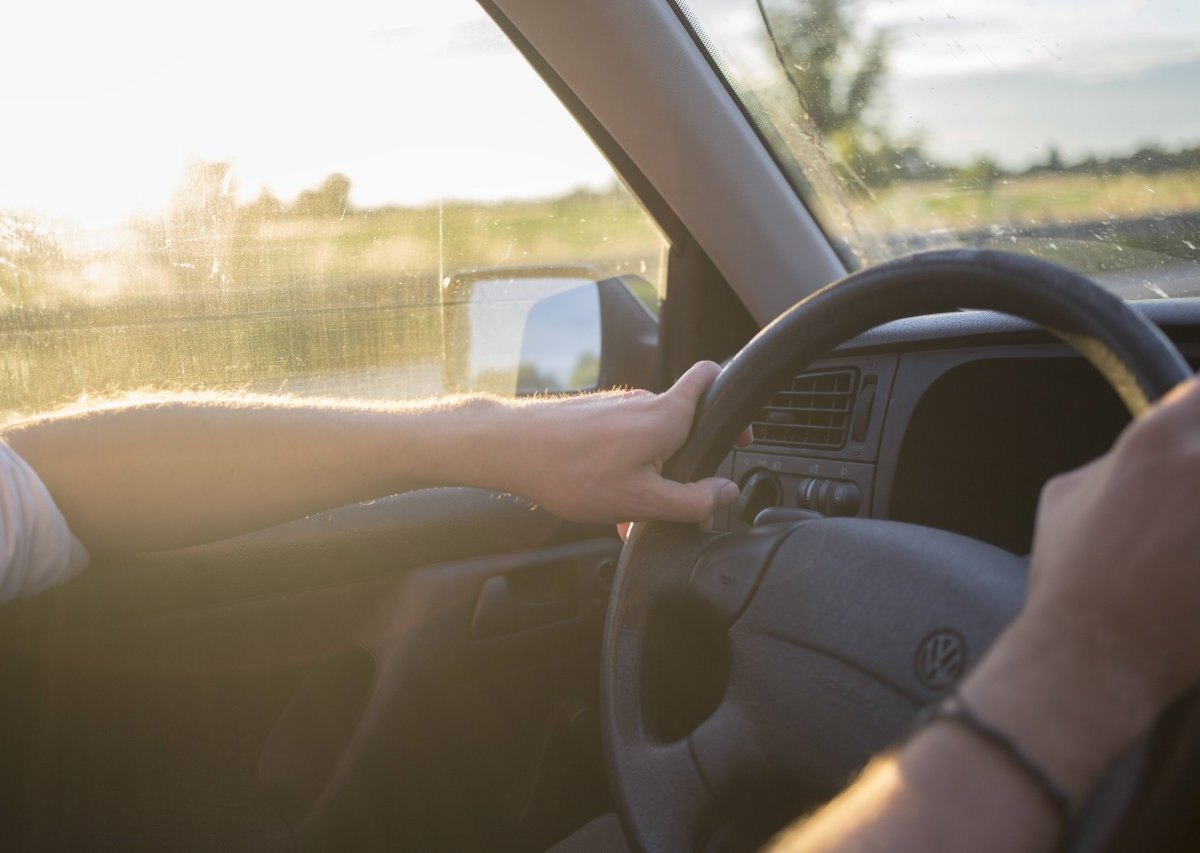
{"x":110,"y":111}
{"x":270,"y":195}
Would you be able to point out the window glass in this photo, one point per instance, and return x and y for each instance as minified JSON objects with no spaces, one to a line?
{"x":1063,"y":130}
{"x":273,"y":196}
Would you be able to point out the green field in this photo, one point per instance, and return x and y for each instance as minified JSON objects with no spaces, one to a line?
{"x":259,"y":303}
{"x":234,"y":299}
{"x":922,"y":206}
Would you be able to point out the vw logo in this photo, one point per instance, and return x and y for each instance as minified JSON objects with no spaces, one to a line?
{"x":940,"y":659}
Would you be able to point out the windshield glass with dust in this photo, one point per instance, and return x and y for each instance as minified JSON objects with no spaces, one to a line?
{"x":1052,"y":128}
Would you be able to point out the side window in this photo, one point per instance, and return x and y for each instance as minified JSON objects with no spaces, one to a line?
{"x":288,"y":213}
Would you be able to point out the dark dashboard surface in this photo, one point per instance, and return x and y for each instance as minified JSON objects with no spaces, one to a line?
{"x":953,"y":421}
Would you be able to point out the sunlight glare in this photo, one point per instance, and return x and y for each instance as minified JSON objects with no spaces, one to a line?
{"x":413,"y":101}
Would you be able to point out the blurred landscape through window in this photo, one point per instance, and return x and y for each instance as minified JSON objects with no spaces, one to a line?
{"x":270,"y":197}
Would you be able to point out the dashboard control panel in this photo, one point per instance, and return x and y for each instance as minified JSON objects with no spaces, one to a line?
{"x":794,"y":470}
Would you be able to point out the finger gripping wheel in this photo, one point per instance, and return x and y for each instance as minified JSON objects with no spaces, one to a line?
{"x":671,"y":790}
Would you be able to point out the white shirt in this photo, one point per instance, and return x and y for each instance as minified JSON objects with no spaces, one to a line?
{"x":37,"y":549}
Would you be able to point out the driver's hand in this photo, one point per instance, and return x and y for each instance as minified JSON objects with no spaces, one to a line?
{"x":1110,"y":631}
{"x":599,"y":457}
{"x":743,"y":440}
{"x":1116,"y":558}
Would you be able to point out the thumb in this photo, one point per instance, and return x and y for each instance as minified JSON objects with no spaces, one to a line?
{"x":693,"y":502}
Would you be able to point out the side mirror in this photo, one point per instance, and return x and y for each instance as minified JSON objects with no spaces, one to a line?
{"x":534,"y":330}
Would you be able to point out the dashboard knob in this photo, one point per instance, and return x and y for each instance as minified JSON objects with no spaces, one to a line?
{"x":761,"y":490}
{"x":844,"y":499}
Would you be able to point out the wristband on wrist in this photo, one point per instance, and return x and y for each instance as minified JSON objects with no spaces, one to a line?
{"x":954,"y":710}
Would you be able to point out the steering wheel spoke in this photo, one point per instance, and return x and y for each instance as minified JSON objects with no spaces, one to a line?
{"x":727,"y":752}
{"x":667,"y":774}
{"x":728,"y":570}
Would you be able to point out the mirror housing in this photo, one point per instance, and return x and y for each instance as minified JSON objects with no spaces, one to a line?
{"x":539,"y":330}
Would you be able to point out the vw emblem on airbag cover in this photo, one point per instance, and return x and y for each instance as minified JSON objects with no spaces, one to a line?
{"x":940,"y":659}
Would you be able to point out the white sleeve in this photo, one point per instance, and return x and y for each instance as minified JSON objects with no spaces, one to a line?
{"x":37,"y":549}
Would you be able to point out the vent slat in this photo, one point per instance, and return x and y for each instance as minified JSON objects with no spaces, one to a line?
{"x":806,"y":427}
{"x":813,"y":411}
{"x":791,"y":410}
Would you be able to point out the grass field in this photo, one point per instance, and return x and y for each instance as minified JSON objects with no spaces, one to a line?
{"x":922,"y":206}
{"x":286,"y":303}
{"x":282,"y":304}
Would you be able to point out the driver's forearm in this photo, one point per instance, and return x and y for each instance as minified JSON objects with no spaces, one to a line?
{"x":166,"y":474}
{"x":138,"y":476}
{"x":945,"y":791}
{"x":948,"y":789}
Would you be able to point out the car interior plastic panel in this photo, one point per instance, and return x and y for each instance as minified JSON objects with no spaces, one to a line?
{"x":973,"y":412}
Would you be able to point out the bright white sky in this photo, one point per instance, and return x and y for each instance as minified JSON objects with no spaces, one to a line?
{"x":103,"y":103}
{"x":1096,"y":38}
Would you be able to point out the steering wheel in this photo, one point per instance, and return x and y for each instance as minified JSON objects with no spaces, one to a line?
{"x":812,"y":645}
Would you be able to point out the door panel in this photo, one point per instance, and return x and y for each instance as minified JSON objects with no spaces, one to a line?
{"x":138,"y":699}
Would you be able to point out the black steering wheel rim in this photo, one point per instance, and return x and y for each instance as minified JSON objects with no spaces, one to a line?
{"x":1133,"y":355}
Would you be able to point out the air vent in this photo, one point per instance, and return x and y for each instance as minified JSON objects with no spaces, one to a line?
{"x":813,"y":412}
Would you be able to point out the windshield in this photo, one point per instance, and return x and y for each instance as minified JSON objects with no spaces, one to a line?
{"x":1051,"y":128}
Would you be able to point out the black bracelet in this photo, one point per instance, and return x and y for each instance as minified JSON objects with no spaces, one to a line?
{"x":953,"y":709}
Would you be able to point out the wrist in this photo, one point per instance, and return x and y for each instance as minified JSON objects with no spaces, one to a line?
{"x":1067,"y":706}
{"x":459,"y":441}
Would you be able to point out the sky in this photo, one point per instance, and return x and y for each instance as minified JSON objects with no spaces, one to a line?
{"x":413,"y":101}
{"x":1010,"y":78}
{"x":417,"y":101}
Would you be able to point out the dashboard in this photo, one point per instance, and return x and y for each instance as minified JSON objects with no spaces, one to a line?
{"x":952,"y":421}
